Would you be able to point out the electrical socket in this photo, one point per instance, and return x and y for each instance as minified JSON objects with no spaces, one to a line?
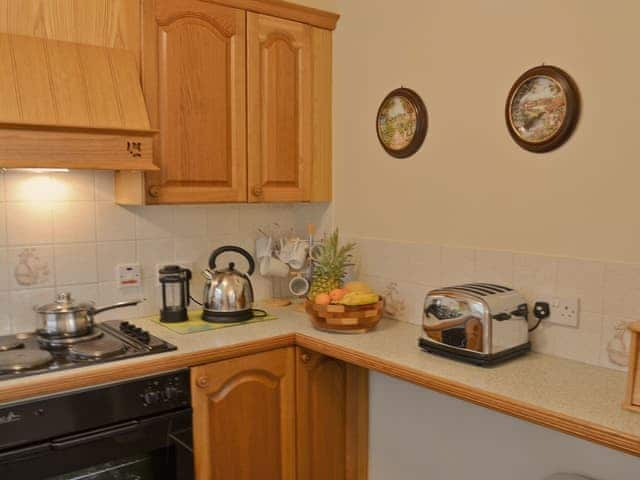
{"x":564,"y":311}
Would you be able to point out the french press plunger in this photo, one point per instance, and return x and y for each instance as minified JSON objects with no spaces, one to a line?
{"x":175,"y":293}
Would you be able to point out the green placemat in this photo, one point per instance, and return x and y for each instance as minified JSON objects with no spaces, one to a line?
{"x":196,"y":324}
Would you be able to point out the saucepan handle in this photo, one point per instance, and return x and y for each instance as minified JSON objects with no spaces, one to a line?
{"x":116,"y":305}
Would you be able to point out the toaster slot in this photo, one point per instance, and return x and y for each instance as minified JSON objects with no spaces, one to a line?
{"x":471,"y":289}
{"x":496,"y":288}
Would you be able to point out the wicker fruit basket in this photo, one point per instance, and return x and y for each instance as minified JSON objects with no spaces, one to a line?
{"x":343,"y":318}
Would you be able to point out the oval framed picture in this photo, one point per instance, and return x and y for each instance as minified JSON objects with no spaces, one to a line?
{"x":542,"y":108}
{"x":401,"y":123}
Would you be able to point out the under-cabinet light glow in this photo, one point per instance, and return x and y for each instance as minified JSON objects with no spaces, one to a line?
{"x":36,"y":170}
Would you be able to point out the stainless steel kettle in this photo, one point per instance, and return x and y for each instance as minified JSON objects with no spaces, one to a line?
{"x":228,"y":293}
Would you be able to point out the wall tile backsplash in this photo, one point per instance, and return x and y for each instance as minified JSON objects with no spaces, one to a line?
{"x":64,"y":232}
{"x":608,"y":292}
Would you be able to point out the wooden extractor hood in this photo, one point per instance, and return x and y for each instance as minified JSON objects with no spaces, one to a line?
{"x":69,"y":105}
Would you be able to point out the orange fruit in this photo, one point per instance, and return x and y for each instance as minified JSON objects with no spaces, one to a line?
{"x":323,"y":299}
{"x":336,"y":294}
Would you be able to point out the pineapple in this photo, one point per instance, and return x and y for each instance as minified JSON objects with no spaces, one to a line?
{"x":329,"y":269}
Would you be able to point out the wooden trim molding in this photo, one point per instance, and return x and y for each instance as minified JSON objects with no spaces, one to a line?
{"x":45,"y":384}
{"x":287,"y":10}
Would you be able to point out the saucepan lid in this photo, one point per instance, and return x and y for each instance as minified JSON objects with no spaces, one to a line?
{"x":65,"y":304}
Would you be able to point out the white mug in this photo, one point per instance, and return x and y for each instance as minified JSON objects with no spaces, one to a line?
{"x":298,"y":255}
{"x":263,"y":247}
{"x":299,"y":286}
{"x":272,"y":267}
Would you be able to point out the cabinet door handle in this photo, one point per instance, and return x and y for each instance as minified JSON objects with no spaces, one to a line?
{"x":257,"y":191}
{"x":305,"y":357}
{"x":154,"y":191}
{"x":203,"y":382}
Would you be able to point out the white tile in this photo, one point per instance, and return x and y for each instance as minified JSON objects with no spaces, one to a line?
{"x":80,"y":293}
{"x":151,"y":253}
{"x":411,"y":296}
{"x":154,"y":221}
{"x":104,"y":186}
{"x":253,"y":217}
{"x":74,"y":222}
{"x":534,"y":275}
{"x":494,"y":267}
{"x":423,"y":263}
{"x":576,"y":344}
{"x":3,"y":223}
{"x":542,"y":339}
{"x":78,"y":185}
{"x":30,"y":267}
{"x":222,"y":220}
{"x":23,"y":304}
{"x":622,"y":290}
{"x":195,"y":250}
{"x":458,"y":265}
{"x":29,"y":223}
{"x":4,"y":269}
{"x":110,"y":254}
{"x":114,"y":222}
{"x":23,"y":187}
{"x":6,"y":326}
{"x":3,"y":195}
{"x":109,"y":293}
{"x":76,"y":263}
{"x":153,"y":297}
{"x":190,"y":221}
{"x":583,"y":279}
{"x":615,"y":342}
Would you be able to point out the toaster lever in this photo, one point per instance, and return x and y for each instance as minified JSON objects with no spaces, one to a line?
{"x":501,"y":317}
{"x":521,"y":311}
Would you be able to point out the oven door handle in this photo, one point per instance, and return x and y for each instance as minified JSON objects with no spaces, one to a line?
{"x":75,"y":440}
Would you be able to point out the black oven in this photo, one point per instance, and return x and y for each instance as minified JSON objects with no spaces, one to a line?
{"x":134,"y":430}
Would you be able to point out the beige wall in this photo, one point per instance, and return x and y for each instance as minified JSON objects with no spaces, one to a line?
{"x":470,"y":184}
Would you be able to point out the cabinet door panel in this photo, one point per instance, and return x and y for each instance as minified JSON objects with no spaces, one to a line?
{"x":244,"y":417}
{"x":198,"y":51}
{"x":332,"y":418}
{"x":279,"y":107}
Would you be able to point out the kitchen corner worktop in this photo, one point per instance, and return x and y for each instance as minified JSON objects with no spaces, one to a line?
{"x":568,"y":396}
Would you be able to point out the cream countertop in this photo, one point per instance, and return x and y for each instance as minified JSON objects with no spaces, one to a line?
{"x":573,"y":397}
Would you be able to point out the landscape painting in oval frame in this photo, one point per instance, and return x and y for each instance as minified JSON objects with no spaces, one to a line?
{"x":401,"y":122}
{"x":542,"y":108}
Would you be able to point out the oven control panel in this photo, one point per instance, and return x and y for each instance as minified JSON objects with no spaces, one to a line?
{"x":168,"y":390}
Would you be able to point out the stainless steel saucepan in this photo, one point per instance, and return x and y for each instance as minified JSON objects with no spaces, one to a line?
{"x":66,"y":318}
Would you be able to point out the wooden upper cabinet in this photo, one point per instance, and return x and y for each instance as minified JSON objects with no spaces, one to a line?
{"x":280,"y":117}
{"x":194,"y":74}
{"x":244,"y":417}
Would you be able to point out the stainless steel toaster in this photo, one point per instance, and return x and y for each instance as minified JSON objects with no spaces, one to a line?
{"x":479,"y":323}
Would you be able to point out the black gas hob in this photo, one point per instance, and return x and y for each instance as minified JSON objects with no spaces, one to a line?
{"x":28,"y":354}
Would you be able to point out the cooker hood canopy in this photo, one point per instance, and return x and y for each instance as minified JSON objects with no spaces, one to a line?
{"x":69,"y":105}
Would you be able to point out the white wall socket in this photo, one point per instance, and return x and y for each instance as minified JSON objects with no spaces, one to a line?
{"x":128,"y":275}
{"x":564,"y":311}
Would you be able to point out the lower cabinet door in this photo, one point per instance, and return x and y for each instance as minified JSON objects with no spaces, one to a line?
{"x":332,"y":418}
{"x":244,"y":417}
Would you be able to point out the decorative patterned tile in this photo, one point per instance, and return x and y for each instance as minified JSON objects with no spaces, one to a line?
{"x":615,"y":341}
{"x":30,"y":267}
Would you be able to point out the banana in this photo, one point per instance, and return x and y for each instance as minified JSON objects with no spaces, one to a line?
{"x":359,"y":298}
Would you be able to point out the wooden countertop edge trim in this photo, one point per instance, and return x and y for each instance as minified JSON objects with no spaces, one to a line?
{"x":563,"y":423}
{"x":44,"y":385}
{"x":111,"y":372}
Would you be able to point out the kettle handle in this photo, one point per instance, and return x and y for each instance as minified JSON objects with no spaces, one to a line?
{"x":232,"y":248}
